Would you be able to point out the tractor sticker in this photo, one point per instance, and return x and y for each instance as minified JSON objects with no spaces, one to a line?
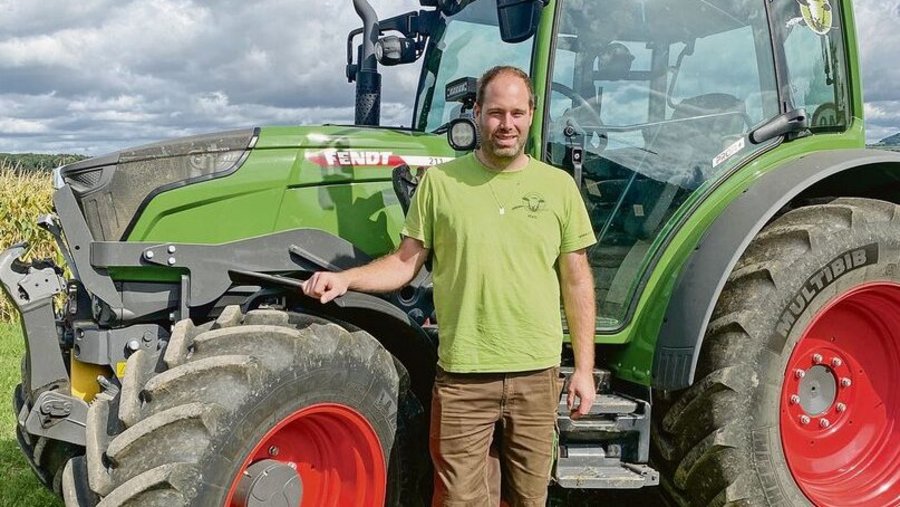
{"x":836,"y":268}
{"x":729,"y":152}
{"x":353,"y":158}
{"x":817,"y":15}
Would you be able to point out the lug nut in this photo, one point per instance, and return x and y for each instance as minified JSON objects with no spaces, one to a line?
{"x":171,"y":249}
{"x":804,"y":419}
{"x":171,"y":261}
{"x":836,"y":362}
{"x":846,"y":382}
{"x":799,"y":373}
{"x":824,"y":423}
{"x":840,"y":407}
{"x":795,"y":399}
{"x":817,"y":358}
{"x":273,"y":451}
{"x":148,"y":254}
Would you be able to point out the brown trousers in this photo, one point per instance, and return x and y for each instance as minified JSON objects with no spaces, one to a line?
{"x":467,"y":409}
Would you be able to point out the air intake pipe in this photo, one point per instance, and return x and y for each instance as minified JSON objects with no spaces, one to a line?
{"x":368,"y":80}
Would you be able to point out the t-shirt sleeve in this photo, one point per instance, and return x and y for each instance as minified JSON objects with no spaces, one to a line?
{"x":420,"y":218}
{"x":577,"y":232}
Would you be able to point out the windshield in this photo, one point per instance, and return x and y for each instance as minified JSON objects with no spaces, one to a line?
{"x":660,"y":96}
{"x":465,"y":45}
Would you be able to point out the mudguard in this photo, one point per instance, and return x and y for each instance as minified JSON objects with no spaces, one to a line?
{"x":704,"y":274}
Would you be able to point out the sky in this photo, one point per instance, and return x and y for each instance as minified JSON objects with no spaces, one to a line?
{"x":94,"y":76}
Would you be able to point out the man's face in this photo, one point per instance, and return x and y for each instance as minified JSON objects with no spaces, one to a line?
{"x":505,"y":117}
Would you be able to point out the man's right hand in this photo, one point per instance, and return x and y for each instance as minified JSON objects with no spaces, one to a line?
{"x":326,"y":286}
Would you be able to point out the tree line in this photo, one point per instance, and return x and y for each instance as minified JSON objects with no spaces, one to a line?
{"x":36,"y":161}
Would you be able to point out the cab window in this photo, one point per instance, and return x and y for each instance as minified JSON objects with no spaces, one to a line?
{"x":659,"y":97}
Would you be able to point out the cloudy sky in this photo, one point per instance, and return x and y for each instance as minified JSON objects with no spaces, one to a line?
{"x":92,"y":76}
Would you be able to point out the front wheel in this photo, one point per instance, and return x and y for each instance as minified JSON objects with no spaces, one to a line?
{"x":796,"y":399}
{"x":267,"y":408}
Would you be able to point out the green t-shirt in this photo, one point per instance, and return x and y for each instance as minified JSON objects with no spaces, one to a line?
{"x":496,"y":238}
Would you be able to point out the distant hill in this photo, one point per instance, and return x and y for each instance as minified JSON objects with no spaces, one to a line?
{"x":36,"y":161}
{"x":893,"y":140}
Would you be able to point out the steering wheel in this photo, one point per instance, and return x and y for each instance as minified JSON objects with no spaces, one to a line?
{"x":583,"y":116}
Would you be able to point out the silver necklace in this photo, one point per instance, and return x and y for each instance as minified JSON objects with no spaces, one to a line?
{"x":500,"y":206}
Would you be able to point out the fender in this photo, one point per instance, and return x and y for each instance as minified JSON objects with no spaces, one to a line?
{"x":704,"y":274}
{"x":400,"y":335}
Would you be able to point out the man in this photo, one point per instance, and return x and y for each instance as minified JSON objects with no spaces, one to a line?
{"x":507,"y":233}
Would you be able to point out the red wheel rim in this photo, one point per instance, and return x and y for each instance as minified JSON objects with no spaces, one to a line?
{"x":335,"y":451}
{"x":840,"y":398}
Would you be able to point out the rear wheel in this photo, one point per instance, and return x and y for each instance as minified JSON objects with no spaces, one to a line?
{"x":796,"y":398}
{"x":266,"y":408}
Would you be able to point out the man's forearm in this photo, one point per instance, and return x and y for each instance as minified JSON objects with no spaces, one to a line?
{"x":577,"y":283}
{"x":382,"y":275}
{"x":578,"y":300}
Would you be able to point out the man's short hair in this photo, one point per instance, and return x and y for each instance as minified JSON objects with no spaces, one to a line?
{"x":494,"y":72}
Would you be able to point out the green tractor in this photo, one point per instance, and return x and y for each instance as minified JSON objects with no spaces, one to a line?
{"x":747,"y":273}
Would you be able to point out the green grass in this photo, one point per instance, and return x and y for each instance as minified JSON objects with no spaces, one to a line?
{"x":18,"y":484}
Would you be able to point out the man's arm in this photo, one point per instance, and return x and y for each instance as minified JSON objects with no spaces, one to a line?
{"x":383,"y":275}
{"x":577,"y":284}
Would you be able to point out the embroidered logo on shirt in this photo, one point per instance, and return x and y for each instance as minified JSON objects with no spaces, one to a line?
{"x":533,"y":203}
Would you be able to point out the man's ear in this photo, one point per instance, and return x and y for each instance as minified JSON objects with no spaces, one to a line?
{"x":476,"y":111}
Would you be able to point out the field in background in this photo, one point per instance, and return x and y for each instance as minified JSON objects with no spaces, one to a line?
{"x":25,"y":192}
{"x":24,"y":195}
{"x":18,"y":485}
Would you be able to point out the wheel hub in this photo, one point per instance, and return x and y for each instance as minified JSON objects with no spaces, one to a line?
{"x":270,"y":483}
{"x":840,"y":400}
{"x":820,"y":388}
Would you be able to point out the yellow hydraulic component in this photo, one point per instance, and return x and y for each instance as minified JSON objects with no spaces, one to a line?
{"x":84,"y":379}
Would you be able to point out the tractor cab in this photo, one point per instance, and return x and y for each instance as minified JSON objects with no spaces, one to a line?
{"x":649,"y":105}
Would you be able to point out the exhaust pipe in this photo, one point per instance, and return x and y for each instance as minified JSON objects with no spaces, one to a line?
{"x":368,"y":80}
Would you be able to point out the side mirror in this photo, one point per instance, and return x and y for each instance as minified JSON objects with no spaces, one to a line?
{"x":518,"y":19}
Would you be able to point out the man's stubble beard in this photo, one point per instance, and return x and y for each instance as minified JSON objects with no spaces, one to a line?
{"x":508,"y":154}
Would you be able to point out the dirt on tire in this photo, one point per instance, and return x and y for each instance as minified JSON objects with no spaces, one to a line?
{"x":186,"y":418}
{"x":718,"y":442}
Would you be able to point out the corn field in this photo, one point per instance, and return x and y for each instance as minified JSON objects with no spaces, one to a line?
{"x":24,"y":195}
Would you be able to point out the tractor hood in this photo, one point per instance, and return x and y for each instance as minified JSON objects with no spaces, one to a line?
{"x":113,"y":190}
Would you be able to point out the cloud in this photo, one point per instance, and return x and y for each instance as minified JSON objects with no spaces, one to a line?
{"x":879,"y":42}
{"x":98,"y":75}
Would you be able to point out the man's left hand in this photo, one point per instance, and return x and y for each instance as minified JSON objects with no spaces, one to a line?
{"x":581,"y":386}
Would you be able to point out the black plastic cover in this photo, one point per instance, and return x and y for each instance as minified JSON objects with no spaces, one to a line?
{"x":112,"y":189}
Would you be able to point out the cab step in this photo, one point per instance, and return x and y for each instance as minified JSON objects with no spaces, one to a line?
{"x":610,"y":446}
{"x":588,"y":467}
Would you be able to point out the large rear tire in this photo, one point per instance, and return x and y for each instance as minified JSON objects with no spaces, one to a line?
{"x":318,"y":405}
{"x":796,"y":399}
